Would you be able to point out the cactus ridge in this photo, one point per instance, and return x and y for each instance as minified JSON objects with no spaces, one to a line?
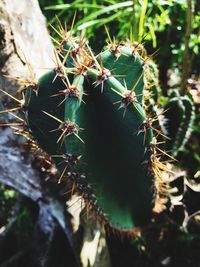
{"x":183,"y":107}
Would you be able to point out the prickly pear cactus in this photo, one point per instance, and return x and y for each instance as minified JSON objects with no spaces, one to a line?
{"x":90,"y":115}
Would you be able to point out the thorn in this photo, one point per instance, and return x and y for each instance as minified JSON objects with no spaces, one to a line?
{"x":137,"y":82}
{"x":9,"y":110}
{"x":11,"y":124}
{"x":14,"y":115}
{"x":56,"y":30}
{"x":14,"y":98}
{"x":55,"y":118}
{"x":107,"y":32}
{"x":79,"y":138}
{"x":72,"y":25}
{"x":62,"y":174}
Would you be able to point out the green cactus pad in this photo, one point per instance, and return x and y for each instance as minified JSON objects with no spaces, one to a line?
{"x":101,"y":119}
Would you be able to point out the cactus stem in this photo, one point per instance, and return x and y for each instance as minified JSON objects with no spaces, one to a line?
{"x":117,"y":69}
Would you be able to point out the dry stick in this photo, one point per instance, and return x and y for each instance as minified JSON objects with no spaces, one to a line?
{"x":134,"y":21}
{"x":186,"y":66}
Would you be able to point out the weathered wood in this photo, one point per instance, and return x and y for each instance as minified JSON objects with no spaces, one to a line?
{"x":23,"y":38}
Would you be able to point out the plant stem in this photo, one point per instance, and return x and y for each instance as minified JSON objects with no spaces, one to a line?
{"x":135,"y":22}
{"x":186,"y":66}
{"x":142,"y":19}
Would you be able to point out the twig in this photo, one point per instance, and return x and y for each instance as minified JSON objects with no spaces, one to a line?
{"x":186,"y":66}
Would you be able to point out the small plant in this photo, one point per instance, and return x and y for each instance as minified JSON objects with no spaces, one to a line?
{"x":179,"y":129}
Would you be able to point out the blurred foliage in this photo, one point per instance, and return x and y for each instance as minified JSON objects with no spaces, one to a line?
{"x":7,"y":199}
{"x":160,"y":24}
{"x":24,"y":222}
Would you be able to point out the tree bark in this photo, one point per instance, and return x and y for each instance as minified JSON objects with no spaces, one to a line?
{"x":23,"y":39}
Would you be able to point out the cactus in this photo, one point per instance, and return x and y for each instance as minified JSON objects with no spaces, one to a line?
{"x":90,"y":115}
{"x":179,"y":128}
